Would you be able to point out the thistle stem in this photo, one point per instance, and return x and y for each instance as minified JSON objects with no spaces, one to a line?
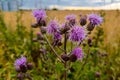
{"x":65,"y":64}
{"x":53,"y":49}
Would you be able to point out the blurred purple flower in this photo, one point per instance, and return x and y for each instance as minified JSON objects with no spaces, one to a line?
{"x":78,"y":53}
{"x":20,"y":61}
{"x":71,"y":20}
{"x":52,"y":27}
{"x":70,"y":17}
{"x":95,"y":19}
{"x":20,"y":64}
{"x":40,"y":16}
{"x":77,"y":34}
{"x":57,"y":36}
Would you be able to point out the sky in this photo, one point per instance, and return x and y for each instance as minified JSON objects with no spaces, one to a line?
{"x":75,"y":2}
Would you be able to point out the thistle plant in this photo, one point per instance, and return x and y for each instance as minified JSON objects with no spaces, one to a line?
{"x":71,"y":33}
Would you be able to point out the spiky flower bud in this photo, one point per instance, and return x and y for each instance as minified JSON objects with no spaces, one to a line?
{"x":30,"y":66}
{"x":83,"y":20}
{"x":65,"y":57}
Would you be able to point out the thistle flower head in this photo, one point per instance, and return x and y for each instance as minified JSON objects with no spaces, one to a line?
{"x":20,"y":64}
{"x":39,"y":14}
{"x":40,"y":17}
{"x":71,"y":20}
{"x":57,"y":36}
{"x":52,"y":27}
{"x":70,"y":17}
{"x":95,"y":19}
{"x":20,"y":61}
{"x":77,"y":34}
{"x":78,"y":53}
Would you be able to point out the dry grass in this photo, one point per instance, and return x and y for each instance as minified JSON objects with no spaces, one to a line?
{"x":111,"y":25}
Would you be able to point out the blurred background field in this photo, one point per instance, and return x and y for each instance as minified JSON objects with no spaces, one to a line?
{"x":15,"y":39}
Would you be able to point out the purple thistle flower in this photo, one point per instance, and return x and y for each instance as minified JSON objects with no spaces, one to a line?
{"x":78,"y":53}
{"x":70,"y":17}
{"x":20,"y":64}
{"x":95,"y":19}
{"x":40,"y":16}
{"x":77,"y":34}
{"x":20,"y":61}
{"x":71,"y":20}
{"x":57,"y":36}
{"x":52,"y":27}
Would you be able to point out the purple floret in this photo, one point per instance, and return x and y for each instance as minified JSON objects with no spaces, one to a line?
{"x":39,"y":15}
{"x":78,"y":53}
{"x":52,"y":27}
{"x":57,"y":36}
{"x":95,"y":19}
{"x":70,"y":17}
{"x":77,"y":34}
{"x":20,"y":61}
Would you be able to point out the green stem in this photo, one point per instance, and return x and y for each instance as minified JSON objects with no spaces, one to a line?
{"x":65,"y":64}
{"x":53,"y":49}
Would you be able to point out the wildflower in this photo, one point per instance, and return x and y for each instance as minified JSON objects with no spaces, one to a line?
{"x":90,"y":27}
{"x":57,"y":36}
{"x":57,"y":39}
{"x":40,"y":17}
{"x":30,"y":66}
{"x":65,"y":28}
{"x":95,"y":19}
{"x":76,"y":54}
{"x":52,"y":27}
{"x":20,"y":64}
{"x":71,"y":20}
{"x":77,"y":34}
{"x":83,"y":20}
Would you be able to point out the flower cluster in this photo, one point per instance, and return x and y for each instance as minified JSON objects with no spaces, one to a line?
{"x":21,"y":65}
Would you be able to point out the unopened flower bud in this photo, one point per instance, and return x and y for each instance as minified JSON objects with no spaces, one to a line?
{"x":39,"y":36}
{"x":42,"y":22}
{"x":34,"y":25}
{"x":23,"y":68}
{"x":97,"y":74}
{"x":83,"y":20}
{"x":20,"y":76}
{"x":65,"y":57}
{"x":90,"y":27}
{"x":17,"y":68}
{"x":29,"y":66}
{"x":90,"y":42}
{"x":43,"y":30}
{"x":73,"y":58}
